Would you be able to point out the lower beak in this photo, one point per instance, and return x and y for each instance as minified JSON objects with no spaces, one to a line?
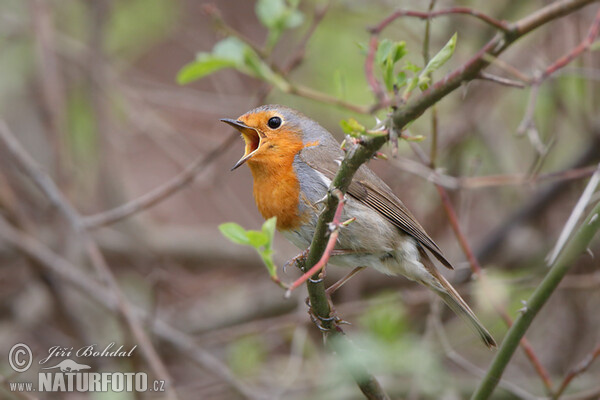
{"x":251,"y":136}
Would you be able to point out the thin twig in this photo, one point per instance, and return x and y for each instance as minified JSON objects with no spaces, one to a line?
{"x":501,"y":80}
{"x":160,"y":193}
{"x":472,"y":368}
{"x":24,"y":161}
{"x":478,"y":271}
{"x":577,"y":245}
{"x":575,"y":216}
{"x":573,"y":54}
{"x":97,"y":291}
{"x":500,"y":25}
{"x":579,"y":369}
{"x":374,"y":84}
{"x":300,"y":50}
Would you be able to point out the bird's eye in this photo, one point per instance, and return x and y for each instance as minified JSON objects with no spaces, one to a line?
{"x":274,"y":122}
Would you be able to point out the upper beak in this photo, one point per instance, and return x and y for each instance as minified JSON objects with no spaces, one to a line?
{"x":251,"y":136}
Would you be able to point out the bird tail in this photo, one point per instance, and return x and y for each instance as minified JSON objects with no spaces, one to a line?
{"x":451,"y":297}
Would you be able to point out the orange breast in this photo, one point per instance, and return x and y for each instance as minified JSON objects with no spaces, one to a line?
{"x":276,"y":187}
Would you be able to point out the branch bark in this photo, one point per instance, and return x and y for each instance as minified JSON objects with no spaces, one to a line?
{"x":577,"y":245}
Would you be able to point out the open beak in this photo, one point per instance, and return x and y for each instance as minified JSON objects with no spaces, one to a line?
{"x":251,"y":136}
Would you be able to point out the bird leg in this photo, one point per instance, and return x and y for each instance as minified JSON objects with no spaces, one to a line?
{"x":331,"y":289}
{"x":297,"y":261}
{"x":319,"y":321}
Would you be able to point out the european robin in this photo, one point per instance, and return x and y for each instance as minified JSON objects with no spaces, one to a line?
{"x":293,"y":160}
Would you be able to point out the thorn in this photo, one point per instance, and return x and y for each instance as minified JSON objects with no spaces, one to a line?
{"x":589,"y":251}
{"x":593,"y":219}
{"x":523,"y":309}
{"x":381,"y":156}
{"x":287,"y":294}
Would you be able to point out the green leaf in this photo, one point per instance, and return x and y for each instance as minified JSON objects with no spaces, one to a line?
{"x":267,"y":257}
{"x":408,"y":66}
{"x":232,"y":49}
{"x":401,"y":79}
{"x":235,"y":233}
{"x":257,"y":239}
{"x":269,"y":228}
{"x":441,"y":57}
{"x":388,"y":53}
{"x":352,"y":127}
{"x":277,"y":16}
{"x":200,"y":68}
{"x":228,"y":53}
{"x":383,"y":50}
{"x":424,"y":82}
{"x":595,"y":46}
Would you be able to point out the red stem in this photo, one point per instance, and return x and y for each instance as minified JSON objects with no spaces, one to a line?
{"x":581,"y":47}
{"x":476,"y":268}
{"x":328,"y":249}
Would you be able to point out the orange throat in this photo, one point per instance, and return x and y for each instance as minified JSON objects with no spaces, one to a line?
{"x":276,"y":186}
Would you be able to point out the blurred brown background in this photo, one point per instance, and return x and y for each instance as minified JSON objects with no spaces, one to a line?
{"x":88,"y":88}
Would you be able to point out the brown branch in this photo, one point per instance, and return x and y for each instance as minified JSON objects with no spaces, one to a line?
{"x":160,"y":193}
{"x":500,"y":80}
{"x":579,"y":369}
{"x":300,"y":50}
{"x":376,"y":87}
{"x":500,"y":25}
{"x":366,"y":149}
{"x":99,"y":292}
{"x":477,"y":270}
{"x":24,"y":161}
{"x":580,"y":48}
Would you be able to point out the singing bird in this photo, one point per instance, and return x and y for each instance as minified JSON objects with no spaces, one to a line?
{"x":293,"y":160}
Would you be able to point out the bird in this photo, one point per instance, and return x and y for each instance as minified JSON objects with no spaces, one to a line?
{"x":293,"y":160}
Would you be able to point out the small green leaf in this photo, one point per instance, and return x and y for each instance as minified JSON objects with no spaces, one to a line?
{"x":269,"y":228}
{"x":231,"y":48}
{"x":277,"y":16}
{"x":412,"y":84}
{"x":383,"y":51}
{"x":228,"y":53}
{"x":257,"y":239}
{"x":235,"y":233}
{"x":408,"y":66}
{"x":595,"y":46}
{"x":352,"y":127}
{"x":441,"y":57}
{"x":401,"y":79}
{"x":424,"y":82}
{"x":388,"y":53}
{"x":200,"y":68}
{"x":267,"y":257}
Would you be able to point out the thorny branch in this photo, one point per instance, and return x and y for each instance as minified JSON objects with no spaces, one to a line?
{"x":366,"y":149}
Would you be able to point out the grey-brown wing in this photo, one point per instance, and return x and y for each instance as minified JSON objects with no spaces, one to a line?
{"x":369,"y":189}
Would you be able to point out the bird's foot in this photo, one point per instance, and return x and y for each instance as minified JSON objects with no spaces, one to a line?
{"x":326,"y":324}
{"x":296,"y":261}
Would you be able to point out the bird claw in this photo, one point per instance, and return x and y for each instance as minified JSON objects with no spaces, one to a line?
{"x":319,"y":321}
{"x":294,"y":261}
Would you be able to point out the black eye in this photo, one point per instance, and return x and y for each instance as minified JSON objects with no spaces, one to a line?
{"x":274,"y":122}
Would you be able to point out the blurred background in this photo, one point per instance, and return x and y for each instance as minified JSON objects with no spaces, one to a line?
{"x":89,"y":89}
